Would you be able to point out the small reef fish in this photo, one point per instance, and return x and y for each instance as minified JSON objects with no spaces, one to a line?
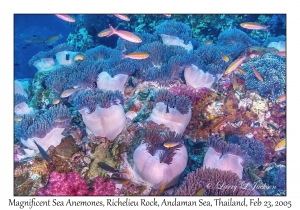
{"x":281,"y":146}
{"x":201,"y":192}
{"x":240,"y":70}
{"x":79,"y":57}
{"x":220,"y":124}
{"x":43,"y":152}
{"x":171,"y":144}
{"x":281,"y":98}
{"x":62,"y":119}
{"x":18,"y":119}
{"x":52,"y":39}
{"x":163,"y":187}
{"x":56,"y":101}
{"x":253,"y":26}
{"x":65,"y":17}
{"x":234,"y":81}
{"x":119,"y":179}
{"x":225,"y":58}
{"x":34,"y":39}
{"x":258,"y":76}
{"x":208,"y":42}
{"x":125,"y":35}
{"x":68,"y":92}
{"x":235,"y":64}
{"x":131,"y":114}
{"x":105,"y":32}
{"x":108,"y":168}
{"x":123,"y":17}
{"x":136,"y":55}
{"x":283,"y":53}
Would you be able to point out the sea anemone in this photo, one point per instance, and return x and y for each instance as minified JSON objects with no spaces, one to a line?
{"x":171,"y":110}
{"x":254,"y":148}
{"x":216,"y":183}
{"x":46,"y":128}
{"x":224,"y":156}
{"x":175,"y":29}
{"x":106,"y":82}
{"x":234,"y":41}
{"x":102,"y":112}
{"x":196,"y":77}
{"x":19,"y":98}
{"x":157,"y":164}
{"x":20,"y":105}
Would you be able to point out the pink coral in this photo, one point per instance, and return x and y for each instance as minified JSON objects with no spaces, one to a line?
{"x":103,"y":188}
{"x":69,"y":184}
{"x":72,"y":184}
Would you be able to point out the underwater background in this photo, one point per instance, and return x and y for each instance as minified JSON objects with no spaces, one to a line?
{"x":157,"y":104}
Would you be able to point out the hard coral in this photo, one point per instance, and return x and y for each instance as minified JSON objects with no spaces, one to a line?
{"x":216,"y":183}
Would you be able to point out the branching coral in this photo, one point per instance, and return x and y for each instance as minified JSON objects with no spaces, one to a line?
{"x":254,"y":148}
{"x":216,"y":183}
{"x":272,"y":69}
{"x":224,"y":156}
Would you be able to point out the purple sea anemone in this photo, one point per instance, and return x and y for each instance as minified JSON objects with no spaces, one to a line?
{"x":224,"y":156}
{"x":216,"y":183}
{"x":160,"y":159}
{"x":46,"y":128}
{"x":102,"y":112}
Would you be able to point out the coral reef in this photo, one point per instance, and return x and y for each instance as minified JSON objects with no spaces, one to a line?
{"x":44,"y":128}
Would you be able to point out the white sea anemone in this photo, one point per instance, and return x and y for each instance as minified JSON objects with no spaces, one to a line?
{"x":106,"y":82}
{"x":196,"y":77}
